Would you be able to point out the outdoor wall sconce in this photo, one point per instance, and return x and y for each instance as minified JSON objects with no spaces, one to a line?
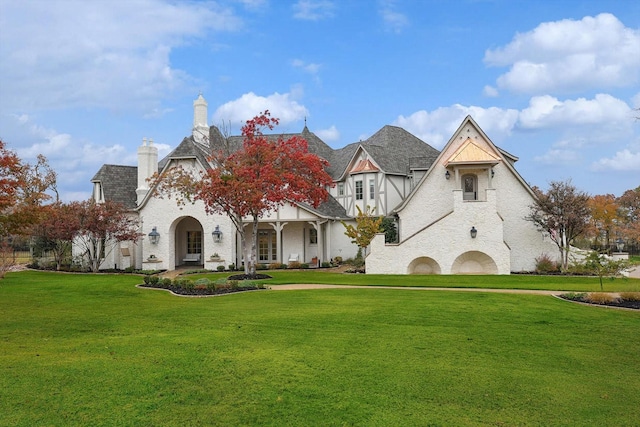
{"x":620,"y":244}
{"x":473,"y":232}
{"x":493,"y":173}
{"x":447,"y":175}
{"x":217,"y":234}
{"x":154,"y":236}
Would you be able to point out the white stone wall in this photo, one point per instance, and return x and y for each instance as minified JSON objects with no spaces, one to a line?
{"x":446,"y":240}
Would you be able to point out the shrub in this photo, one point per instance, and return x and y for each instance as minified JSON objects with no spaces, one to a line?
{"x":203,"y":282}
{"x":600,"y":298}
{"x":326,"y":264}
{"x":184,"y":283}
{"x":154,"y":280}
{"x":146,"y":279}
{"x":544,"y":264}
{"x":222,"y":285}
{"x":338,"y":260}
{"x":233,"y":284}
{"x":304,"y":265}
{"x":232,"y":267}
{"x":277,"y":266}
{"x":261,"y":266}
{"x":220,"y":268}
{"x":294,"y":264}
{"x":630,"y":296}
{"x":166,"y":282}
{"x":574,"y":296}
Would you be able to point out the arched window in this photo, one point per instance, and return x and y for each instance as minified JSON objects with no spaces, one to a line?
{"x":469,"y":187}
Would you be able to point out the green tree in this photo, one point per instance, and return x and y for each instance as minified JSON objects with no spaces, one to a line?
{"x":367,"y":226}
{"x":562,"y":212}
{"x":603,"y":266}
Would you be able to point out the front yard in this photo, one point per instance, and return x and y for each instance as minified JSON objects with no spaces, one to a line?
{"x":96,"y":350}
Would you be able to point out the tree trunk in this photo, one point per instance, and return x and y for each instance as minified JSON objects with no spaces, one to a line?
{"x":254,"y":239}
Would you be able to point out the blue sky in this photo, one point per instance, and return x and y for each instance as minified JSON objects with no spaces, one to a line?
{"x":552,"y":82}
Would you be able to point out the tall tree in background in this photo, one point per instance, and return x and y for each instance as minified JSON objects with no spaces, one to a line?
{"x":58,"y":227}
{"x":23,"y":190}
{"x":604,"y":216}
{"x":101,"y":226}
{"x":256,"y":179}
{"x":630,"y":214}
{"x":562,"y":212}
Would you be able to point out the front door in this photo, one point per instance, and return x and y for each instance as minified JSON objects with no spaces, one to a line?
{"x":469,"y":187}
{"x":267,"y":247}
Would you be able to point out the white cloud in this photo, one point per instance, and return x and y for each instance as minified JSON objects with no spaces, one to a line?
{"x":490,"y":91}
{"x":547,"y":112}
{"x":283,"y":106}
{"x":308,"y":67}
{"x":625,"y":161}
{"x":568,"y":55}
{"x":313,"y":10}
{"x":394,"y":21}
{"x":328,"y":135}
{"x":558,"y":157}
{"x":99,"y":54}
{"x":436,"y":127}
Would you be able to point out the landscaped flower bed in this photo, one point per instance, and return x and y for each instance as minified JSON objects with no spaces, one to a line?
{"x":200,"y":287}
{"x":623,"y":300}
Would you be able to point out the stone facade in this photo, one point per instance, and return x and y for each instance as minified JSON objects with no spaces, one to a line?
{"x":392,"y":171}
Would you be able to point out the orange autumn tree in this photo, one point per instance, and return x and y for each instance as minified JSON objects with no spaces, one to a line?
{"x":24,"y":189}
{"x":264,"y":174}
{"x":630,"y":215}
{"x":604,"y":216}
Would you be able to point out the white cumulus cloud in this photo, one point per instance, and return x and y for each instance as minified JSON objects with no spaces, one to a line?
{"x":61,"y":54}
{"x":283,"y":106}
{"x":328,"y":135}
{"x":436,"y":127}
{"x":548,"y":111}
{"x":625,"y":160}
{"x":568,"y":56}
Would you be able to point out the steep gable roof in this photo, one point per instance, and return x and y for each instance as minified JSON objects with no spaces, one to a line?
{"x":187,"y":149}
{"x":471,"y":152}
{"x":469,"y":149}
{"x":118,"y":183}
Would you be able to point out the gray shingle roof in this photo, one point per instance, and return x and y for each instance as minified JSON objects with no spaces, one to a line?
{"x":394,"y":149}
{"x":187,"y":149}
{"x":119,"y":183}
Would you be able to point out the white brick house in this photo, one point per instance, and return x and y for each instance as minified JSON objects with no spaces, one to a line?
{"x":393,"y":171}
{"x":466,"y":215}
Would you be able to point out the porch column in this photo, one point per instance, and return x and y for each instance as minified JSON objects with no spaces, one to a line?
{"x":278,"y":226}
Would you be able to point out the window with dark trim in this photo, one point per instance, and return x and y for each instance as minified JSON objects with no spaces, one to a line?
{"x":359,"y":191}
{"x":372,"y":189}
{"x":313,"y":236}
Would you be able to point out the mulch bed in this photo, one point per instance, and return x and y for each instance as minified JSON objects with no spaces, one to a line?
{"x":199,"y":292}
{"x":635,"y":305}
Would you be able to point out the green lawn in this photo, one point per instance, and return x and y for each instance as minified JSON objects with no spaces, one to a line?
{"x":80,"y":350}
{"x":514,"y":281}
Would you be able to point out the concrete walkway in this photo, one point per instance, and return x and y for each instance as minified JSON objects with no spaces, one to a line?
{"x":414,"y":288}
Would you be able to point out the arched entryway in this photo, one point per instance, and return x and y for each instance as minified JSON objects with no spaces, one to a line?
{"x":188,"y":241}
{"x":424,"y":265}
{"x":474,"y":262}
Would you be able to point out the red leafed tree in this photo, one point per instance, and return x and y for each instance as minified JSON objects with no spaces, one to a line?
{"x":101,"y":226}
{"x":256,"y":179}
{"x":58,"y":227}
